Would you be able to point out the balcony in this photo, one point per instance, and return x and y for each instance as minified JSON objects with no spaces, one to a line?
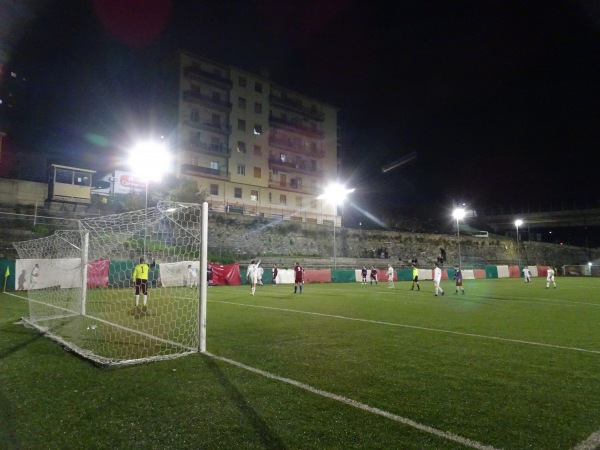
{"x":302,"y":167}
{"x":207,"y":100}
{"x":209,"y":126}
{"x":206,"y":172}
{"x":292,"y":186}
{"x":208,"y":148}
{"x":296,"y":106}
{"x":196,"y":73}
{"x":295,"y":127}
{"x":290,"y":146}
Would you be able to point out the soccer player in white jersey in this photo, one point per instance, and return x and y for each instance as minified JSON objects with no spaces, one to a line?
{"x":437,"y":277}
{"x":252,"y":275}
{"x":192,"y":276}
{"x":390,"y":275}
{"x":550,"y":278}
{"x":527,"y":274}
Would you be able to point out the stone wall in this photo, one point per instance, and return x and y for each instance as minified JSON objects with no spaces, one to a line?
{"x":247,"y":237}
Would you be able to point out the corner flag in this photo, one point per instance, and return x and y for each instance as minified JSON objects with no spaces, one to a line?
{"x":7,"y":272}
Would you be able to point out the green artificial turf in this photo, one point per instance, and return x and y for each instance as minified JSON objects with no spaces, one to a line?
{"x":507,"y":365}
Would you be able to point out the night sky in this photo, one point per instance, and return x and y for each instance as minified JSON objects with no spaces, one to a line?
{"x":498,"y":100}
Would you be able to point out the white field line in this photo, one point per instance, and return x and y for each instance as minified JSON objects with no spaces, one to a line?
{"x":591,"y":443}
{"x":411,"y":423}
{"x":533,"y":300}
{"x":106,"y":322}
{"x":416,"y":327}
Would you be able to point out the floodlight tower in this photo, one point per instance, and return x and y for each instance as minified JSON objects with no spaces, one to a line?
{"x":458,"y":214}
{"x":335,"y":194}
{"x":149,"y":160}
{"x":518,"y":223}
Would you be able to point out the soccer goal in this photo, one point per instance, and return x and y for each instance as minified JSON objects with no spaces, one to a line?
{"x":81,"y":292}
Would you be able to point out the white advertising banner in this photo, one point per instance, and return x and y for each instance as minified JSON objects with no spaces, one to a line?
{"x":468,"y":275}
{"x":44,"y":273}
{"x":503,"y":272}
{"x":177,"y":274}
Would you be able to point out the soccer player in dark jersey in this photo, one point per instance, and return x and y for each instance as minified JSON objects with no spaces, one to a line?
{"x":459,"y":278}
{"x":373,"y":275}
{"x":363,"y":273}
{"x":275,"y":273}
{"x":298,"y":277}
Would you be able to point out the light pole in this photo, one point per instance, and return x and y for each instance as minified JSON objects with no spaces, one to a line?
{"x":458,"y":214}
{"x":335,"y":194}
{"x":150,"y":161}
{"x":518,"y":223}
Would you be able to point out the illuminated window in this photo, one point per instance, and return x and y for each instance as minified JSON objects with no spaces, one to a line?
{"x":258,"y":129}
{"x":254,"y":196}
{"x":241,"y":169}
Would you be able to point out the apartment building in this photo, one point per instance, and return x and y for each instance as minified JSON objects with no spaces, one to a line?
{"x":253,"y":146}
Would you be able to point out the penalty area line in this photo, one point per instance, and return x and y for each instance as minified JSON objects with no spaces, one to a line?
{"x":362,"y":406}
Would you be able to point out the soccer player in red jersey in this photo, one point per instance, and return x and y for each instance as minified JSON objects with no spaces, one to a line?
{"x":298,"y":277}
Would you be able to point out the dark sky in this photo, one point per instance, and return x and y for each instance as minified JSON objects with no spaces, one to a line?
{"x":499,"y":100}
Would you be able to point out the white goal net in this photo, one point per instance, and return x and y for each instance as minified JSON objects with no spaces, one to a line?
{"x":81,"y":292}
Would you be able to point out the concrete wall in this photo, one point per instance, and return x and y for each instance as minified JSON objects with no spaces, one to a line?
{"x":22,"y":192}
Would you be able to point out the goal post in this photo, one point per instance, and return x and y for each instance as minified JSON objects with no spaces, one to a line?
{"x":85,"y":298}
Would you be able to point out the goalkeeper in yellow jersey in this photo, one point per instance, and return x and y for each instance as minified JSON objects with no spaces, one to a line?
{"x":140,"y":278}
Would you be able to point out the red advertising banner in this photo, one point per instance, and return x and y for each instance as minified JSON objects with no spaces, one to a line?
{"x":97,"y":273}
{"x":228,"y":275}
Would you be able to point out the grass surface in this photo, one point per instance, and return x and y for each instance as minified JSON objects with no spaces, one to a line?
{"x":507,"y":365}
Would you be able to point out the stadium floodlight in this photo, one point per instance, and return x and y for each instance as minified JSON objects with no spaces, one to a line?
{"x":149,"y":160}
{"x":335,"y":194}
{"x":518,"y":223}
{"x":458,"y":214}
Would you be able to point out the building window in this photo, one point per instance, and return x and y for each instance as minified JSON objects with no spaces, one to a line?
{"x":258,"y":129}
{"x":254,"y":196}
{"x":214,"y":165}
{"x":257,"y":150}
{"x":282,"y":157}
{"x":282,"y":199}
{"x":241,"y":169}
{"x":241,"y":125}
{"x":258,"y":87}
{"x":195,"y":115}
{"x":214,"y":189}
{"x":216,"y":120}
{"x":242,"y":81}
{"x":257,"y":172}
{"x":270,"y":197}
{"x":241,"y":147}
{"x":241,"y":103}
{"x":299,"y":202}
{"x":258,"y":108}
{"x":237,"y":192}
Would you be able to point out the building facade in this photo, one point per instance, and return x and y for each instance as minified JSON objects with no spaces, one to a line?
{"x":253,"y":146}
